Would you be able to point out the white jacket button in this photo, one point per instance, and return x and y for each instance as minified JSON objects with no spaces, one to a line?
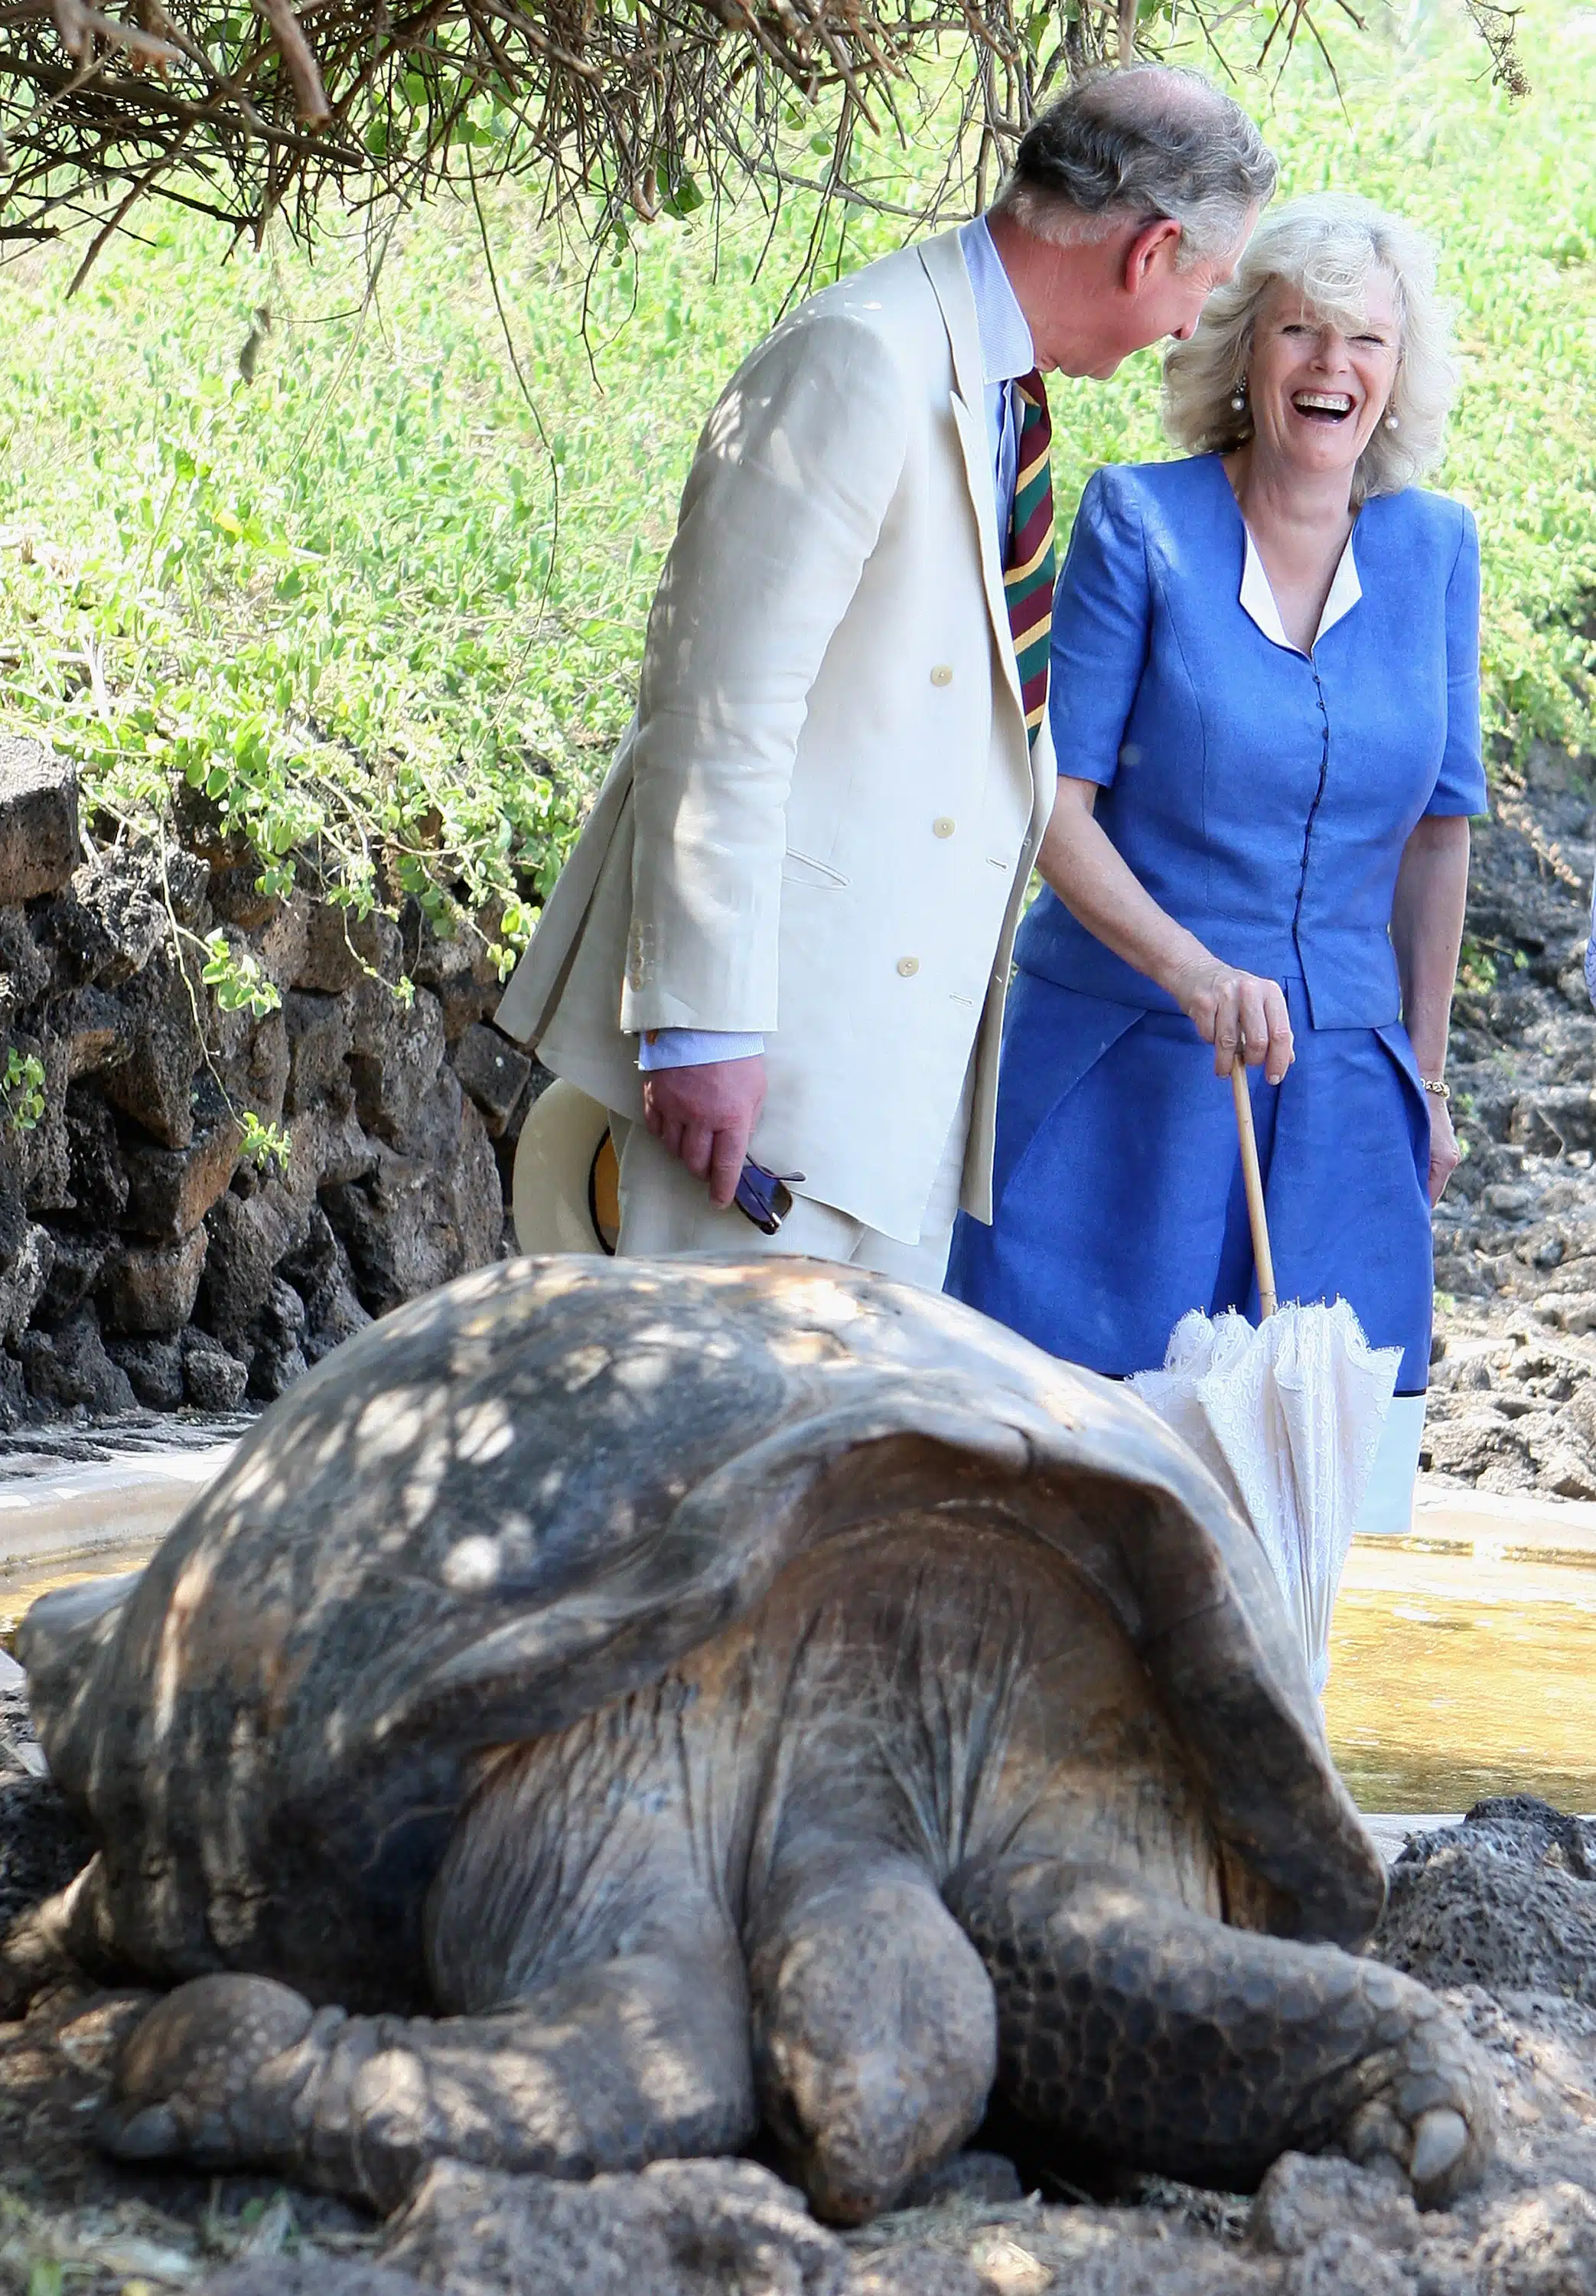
{"x":908,"y":966}
{"x":942,"y":826}
{"x":943,"y":675}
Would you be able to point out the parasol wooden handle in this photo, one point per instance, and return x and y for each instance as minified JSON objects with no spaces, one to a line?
{"x":1262,"y":1258}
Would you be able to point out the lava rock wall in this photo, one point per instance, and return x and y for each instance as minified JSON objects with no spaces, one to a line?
{"x":143,"y":1259}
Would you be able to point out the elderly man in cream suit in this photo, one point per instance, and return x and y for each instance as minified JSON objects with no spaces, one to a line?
{"x":788,"y":920}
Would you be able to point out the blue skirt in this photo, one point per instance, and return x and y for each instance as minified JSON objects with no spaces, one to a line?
{"x":1117,"y":1194}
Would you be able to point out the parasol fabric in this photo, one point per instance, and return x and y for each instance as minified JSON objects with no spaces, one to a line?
{"x":1288,"y":1415}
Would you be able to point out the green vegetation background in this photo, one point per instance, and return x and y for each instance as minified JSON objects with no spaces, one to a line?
{"x":386,"y":601}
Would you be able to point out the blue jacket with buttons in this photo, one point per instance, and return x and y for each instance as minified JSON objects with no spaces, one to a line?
{"x":1261,"y":796}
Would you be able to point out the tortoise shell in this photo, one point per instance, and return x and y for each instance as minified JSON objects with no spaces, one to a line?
{"x":532,"y":1492}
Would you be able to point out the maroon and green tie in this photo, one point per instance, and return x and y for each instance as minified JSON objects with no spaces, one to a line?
{"x":1029,"y":564}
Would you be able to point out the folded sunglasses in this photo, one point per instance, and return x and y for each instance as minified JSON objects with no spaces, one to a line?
{"x":764,"y":1197}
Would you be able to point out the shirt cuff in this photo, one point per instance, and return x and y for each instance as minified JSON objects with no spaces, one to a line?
{"x":692,"y":1048}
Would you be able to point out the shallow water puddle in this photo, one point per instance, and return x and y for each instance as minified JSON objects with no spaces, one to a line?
{"x":1458,"y":1671}
{"x":25,"y":1584}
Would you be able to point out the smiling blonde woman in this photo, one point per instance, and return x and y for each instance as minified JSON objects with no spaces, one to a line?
{"x":1265,"y":701}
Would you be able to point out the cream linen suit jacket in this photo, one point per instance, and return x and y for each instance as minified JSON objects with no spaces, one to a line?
{"x":821,"y":819}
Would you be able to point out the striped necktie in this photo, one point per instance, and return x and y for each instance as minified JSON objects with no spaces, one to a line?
{"x":1029,"y":563}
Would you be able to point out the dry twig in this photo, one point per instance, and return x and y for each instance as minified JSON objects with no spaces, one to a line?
{"x":632,"y":107}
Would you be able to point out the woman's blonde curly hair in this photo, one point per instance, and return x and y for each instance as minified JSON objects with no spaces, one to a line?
{"x":1326,"y":246}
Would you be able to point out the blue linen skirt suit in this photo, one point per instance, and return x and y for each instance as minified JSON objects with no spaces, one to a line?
{"x":1263,"y":796}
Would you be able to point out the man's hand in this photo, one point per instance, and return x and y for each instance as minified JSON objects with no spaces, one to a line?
{"x":706,"y":1115}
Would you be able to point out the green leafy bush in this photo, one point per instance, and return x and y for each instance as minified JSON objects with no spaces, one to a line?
{"x":21,"y":1091}
{"x":382,"y":606}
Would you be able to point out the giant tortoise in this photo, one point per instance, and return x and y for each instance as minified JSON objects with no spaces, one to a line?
{"x":609,"y":1709}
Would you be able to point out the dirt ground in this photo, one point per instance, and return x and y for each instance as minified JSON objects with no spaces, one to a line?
{"x":1499,"y":1913}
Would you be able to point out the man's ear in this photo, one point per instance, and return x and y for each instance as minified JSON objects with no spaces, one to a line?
{"x":1151,"y":251}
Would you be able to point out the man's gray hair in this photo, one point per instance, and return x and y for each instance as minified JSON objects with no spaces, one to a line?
{"x":1134,"y":145}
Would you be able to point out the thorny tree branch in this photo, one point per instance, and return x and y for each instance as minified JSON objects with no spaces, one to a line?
{"x":247,"y":111}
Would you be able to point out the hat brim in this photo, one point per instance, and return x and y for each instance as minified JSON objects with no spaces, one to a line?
{"x":552,"y":1193}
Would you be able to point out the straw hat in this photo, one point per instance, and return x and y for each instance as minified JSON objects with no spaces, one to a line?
{"x":565,"y":1192}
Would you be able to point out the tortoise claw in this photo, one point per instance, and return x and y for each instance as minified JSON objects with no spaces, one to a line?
{"x":1439,"y":2133}
{"x":188,"y":2077}
{"x":1439,"y":2143}
{"x":149,"y":2132}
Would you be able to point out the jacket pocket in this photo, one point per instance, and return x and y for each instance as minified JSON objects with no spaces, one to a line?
{"x":803,"y":869}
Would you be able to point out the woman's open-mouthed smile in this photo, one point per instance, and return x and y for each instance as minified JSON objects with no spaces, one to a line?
{"x":1318,"y":386}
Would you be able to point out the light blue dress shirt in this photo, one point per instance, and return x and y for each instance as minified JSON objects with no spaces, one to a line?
{"x":1007,"y":352}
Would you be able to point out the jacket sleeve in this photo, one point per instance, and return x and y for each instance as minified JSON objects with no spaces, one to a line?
{"x":1460,"y":783}
{"x":794,"y":475}
{"x":1102,"y":611}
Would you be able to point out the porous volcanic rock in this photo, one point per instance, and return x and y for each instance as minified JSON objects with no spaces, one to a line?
{"x":38,"y":819}
{"x":1507,"y":1901}
{"x":1515,"y":1234}
{"x":143,"y":1257}
{"x":149,"y":1289}
{"x":154,"y":1369}
{"x":68,"y":1369}
{"x":493,"y":1071}
{"x":171,"y":1190}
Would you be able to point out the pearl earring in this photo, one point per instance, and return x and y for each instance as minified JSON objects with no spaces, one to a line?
{"x":1392,"y":423}
{"x":1238,"y":399}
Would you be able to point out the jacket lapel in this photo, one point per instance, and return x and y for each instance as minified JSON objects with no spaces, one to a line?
{"x":943,"y":262}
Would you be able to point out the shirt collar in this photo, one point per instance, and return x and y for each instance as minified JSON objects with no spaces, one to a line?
{"x":1007,"y":350}
{"x":1258,"y":599}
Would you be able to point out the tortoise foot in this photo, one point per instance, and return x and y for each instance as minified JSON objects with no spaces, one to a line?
{"x":188,"y":2085}
{"x":1155,"y":2037}
{"x":1432,"y":2110}
{"x":640,"y":2059}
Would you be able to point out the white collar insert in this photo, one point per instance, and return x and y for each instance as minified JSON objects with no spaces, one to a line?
{"x":1257,"y":599}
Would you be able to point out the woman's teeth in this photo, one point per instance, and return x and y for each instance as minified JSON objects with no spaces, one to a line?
{"x":1322,"y":406}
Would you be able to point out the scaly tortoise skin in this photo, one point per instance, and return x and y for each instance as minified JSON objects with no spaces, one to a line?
{"x":607,"y":1708}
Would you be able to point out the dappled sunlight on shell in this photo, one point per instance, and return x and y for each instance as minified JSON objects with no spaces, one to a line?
{"x":801,"y":1348}
{"x":533,"y":1493}
{"x":485,"y":1434}
{"x":471,"y":1563}
{"x":253,"y":1474}
{"x":425,"y":1483}
{"x":642,"y":1374}
{"x":582,"y":1366}
{"x":815,"y":1299}
{"x":193,"y":1584}
{"x":390,"y":1424}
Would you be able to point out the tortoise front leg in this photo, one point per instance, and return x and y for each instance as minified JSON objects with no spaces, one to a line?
{"x":639,"y":2058}
{"x":872,"y":2023}
{"x":1167,"y":2041}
